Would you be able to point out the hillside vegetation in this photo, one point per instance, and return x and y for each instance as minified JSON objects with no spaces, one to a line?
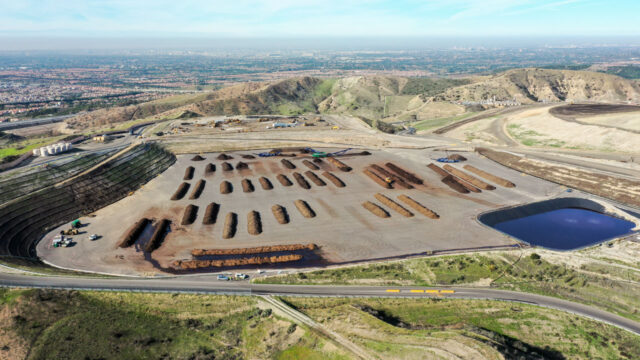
{"x":387,"y":98}
{"x":533,"y":85}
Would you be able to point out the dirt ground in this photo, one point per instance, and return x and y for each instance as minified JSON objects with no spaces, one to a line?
{"x":343,"y":229}
{"x":583,"y":110}
{"x":538,"y":127}
{"x":624,"y":190}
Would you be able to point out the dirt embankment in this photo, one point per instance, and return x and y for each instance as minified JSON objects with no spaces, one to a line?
{"x":619,"y":189}
{"x":253,"y":250}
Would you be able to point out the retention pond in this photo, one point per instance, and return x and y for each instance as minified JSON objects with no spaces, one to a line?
{"x":559,"y":224}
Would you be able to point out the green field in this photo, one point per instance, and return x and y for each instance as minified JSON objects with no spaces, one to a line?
{"x":42,"y":324}
{"x":21,"y":147}
{"x":441,"y":328}
{"x":46,"y":324}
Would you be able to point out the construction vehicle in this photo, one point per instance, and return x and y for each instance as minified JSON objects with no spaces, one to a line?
{"x":388,"y":180}
{"x":322,"y":154}
{"x":335,"y":128}
{"x":76,"y":223}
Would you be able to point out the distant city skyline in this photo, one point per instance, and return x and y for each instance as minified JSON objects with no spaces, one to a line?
{"x":315,"y":18}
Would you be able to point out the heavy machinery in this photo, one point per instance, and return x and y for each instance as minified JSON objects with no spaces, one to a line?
{"x":322,"y":154}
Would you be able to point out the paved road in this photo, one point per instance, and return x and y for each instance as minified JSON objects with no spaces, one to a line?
{"x":208,"y":284}
{"x":33,"y":122}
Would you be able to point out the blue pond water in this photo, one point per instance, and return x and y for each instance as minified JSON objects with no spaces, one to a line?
{"x":566,"y":229}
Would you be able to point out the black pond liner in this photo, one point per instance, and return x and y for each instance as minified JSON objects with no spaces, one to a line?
{"x":558,"y":224}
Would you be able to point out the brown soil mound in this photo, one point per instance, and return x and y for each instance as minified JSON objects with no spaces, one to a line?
{"x":418,"y":207}
{"x":456,"y":157}
{"x":448,"y":179}
{"x":188,"y":173}
{"x":211,"y":214}
{"x":199,"y":264}
{"x":226,"y":166}
{"x":197,"y":190}
{"x":375,"y":177}
{"x":334,"y":179}
{"x":304,"y":208}
{"x":314,"y":178}
{"x":301,"y":181}
{"x":226,"y":187}
{"x":230,"y":225}
{"x":410,"y":177}
{"x":284,"y":180}
{"x":288,"y":164}
{"x":310,"y":165}
{"x":339,"y":164}
{"x":252,"y":250}
{"x":181,"y":192}
{"x":197,"y":158}
{"x":266,"y":183}
{"x":318,"y":161}
{"x":396,"y":179}
{"x":254,"y":224}
{"x":190,"y":215}
{"x":209,"y":169}
{"x":242,"y":166}
{"x":280,"y":213}
{"x":454,"y":184}
{"x":498,"y":180}
{"x":248,"y":157}
{"x":394,"y":205}
{"x":224,"y":156}
{"x":247,"y":186}
{"x":375,"y":209}
{"x":134,"y":233}
{"x":468,"y":178}
{"x":158,"y":235}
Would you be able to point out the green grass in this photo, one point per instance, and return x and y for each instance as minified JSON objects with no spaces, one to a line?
{"x":24,"y":146}
{"x":429,"y":86}
{"x":606,"y":288}
{"x":76,"y":325}
{"x":408,"y":327}
{"x":532,"y":138}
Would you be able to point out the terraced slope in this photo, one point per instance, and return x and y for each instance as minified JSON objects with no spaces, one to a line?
{"x":17,"y":186}
{"x":23,"y":222}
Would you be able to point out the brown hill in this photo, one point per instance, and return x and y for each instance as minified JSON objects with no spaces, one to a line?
{"x":533,"y":85}
{"x":375,"y":97}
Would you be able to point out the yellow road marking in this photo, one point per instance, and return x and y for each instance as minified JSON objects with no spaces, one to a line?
{"x":432,"y":291}
{"x":447,"y":291}
{"x":393,"y":290}
{"x":416,"y":291}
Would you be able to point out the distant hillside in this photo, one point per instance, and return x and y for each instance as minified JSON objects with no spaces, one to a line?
{"x":533,"y":85}
{"x":375,"y":97}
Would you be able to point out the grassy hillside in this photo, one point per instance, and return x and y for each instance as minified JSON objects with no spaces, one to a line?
{"x":45,"y":324}
{"x":42,"y":324}
{"x":387,"y":98}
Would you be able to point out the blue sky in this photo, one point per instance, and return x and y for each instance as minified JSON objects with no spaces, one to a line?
{"x":308,"y":18}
